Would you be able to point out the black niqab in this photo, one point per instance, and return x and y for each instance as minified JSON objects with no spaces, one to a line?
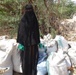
{"x":28,"y":32}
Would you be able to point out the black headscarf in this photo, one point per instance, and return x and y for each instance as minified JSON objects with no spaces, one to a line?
{"x":28,"y":31}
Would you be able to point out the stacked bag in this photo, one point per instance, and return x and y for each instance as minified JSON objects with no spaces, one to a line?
{"x":9,"y":57}
{"x":57,"y":61}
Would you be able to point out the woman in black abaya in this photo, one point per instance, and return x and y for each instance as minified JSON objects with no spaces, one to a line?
{"x":28,"y":36}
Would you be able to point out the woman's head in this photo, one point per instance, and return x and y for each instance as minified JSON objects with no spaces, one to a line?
{"x":28,"y":8}
{"x":30,"y":16}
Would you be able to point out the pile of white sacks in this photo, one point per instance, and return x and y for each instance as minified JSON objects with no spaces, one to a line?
{"x":60,"y":55}
{"x":55,"y":56}
{"x":9,"y":56}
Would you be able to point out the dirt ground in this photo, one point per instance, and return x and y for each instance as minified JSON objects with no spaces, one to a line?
{"x":15,"y":73}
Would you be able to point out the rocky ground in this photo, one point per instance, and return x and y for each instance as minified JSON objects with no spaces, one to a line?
{"x":68,"y":28}
{"x":15,"y":73}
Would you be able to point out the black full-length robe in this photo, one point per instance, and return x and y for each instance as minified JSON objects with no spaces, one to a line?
{"x":28,"y":35}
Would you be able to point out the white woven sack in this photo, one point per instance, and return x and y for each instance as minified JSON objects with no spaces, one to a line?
{"x":9,"y":56}
{"x":56,"y":64}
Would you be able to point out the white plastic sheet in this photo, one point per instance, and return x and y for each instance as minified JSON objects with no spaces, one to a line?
{"x":42,"y":68}
{"x":53,"y":47}
{"x":62,"y":42}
